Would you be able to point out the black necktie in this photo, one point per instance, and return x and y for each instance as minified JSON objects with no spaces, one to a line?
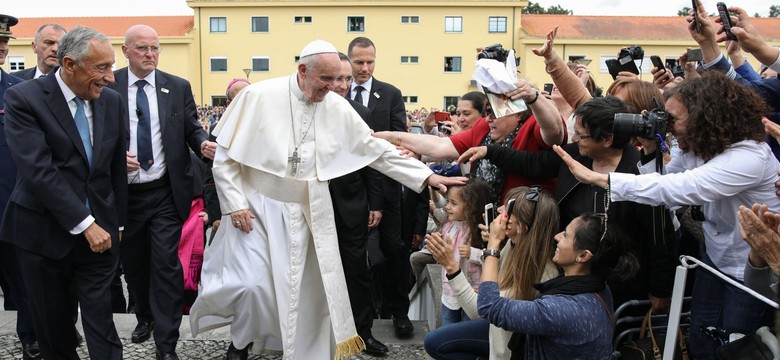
{"x":358,"y":97}
{"x":144,"y":130}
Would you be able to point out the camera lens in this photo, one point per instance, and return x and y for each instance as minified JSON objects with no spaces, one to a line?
{"x":629,"y":125}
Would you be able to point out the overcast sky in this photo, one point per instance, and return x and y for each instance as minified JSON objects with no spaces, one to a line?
{"x":51,"y":8}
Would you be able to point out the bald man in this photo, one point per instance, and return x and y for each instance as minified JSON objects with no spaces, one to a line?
{"x":163,"y":123}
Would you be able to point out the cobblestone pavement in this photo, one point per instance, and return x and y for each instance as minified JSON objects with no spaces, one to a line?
{"x":10,"y":348}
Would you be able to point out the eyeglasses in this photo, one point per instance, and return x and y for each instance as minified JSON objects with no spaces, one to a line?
{"x":533,"y":195}
{"x":144,"y":48}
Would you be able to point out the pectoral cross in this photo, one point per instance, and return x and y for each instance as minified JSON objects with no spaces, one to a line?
{"x":294,"y":160}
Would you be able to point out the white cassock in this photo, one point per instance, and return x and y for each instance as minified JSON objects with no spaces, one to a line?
{"x":282,"y":286}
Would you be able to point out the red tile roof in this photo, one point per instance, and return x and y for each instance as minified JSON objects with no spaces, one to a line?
{"x":626,"y":27}
{"x":113,"y":26}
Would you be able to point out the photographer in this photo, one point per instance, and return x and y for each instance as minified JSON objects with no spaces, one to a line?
{"x":724,"y":164}
{"x":596,"y":146}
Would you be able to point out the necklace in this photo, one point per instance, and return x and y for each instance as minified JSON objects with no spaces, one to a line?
{"x":295,"y":160}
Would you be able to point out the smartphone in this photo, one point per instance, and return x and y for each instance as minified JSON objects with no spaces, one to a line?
{"x":440,"y":116}
{"x":442,"y":129}
{"x":510,"y":206}
{"x":695,"y":8}
{"x":548,"y":88}
{"x":657,"y":62}
{"x":725,"y":18}
{"x":694,"y":55}
{"x":490,"y":214}
{"x":614,"y":67}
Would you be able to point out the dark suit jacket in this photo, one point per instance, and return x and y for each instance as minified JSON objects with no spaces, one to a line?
{"x":7,"y":166}
{"x":179,"y":126}
{"x":357,"y":192}
{"x":55,"y":179}
{"x":387,"y":114}
{"x":26,"y":74}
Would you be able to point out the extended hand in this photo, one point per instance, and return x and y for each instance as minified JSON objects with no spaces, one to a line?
{"x":99,"y":240}
{"x":472,"y":154}
{"x":763,"y":240}
{"x":441,"y":249}
{"x":242,"y":220}
{"x":441,"y":182}
{"x":546,"y":50}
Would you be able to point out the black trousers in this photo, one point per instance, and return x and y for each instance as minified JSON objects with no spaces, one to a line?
{"x":395,"y":292}
{"x":151,"y":263}
{"x":352,"y":248}
{"x":50,"y":285}
{"x":16,"y":293}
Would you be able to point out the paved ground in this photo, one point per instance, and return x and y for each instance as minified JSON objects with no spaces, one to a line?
{"x":213,"y":345}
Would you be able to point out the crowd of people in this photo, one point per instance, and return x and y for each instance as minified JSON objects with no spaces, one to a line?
{"x":323,"y":207}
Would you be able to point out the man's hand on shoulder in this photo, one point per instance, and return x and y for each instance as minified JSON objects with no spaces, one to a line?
{"x":99,"y":240}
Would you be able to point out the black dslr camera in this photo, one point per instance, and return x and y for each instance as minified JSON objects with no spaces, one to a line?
{"x":633,"y":52}
{"x":645,"y":125}
{"x":495,"y":52}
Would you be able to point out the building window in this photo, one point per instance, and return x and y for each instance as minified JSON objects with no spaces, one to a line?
{"x":410,"y":19}
{"x":218,"y":100}
{"x":356,"y":23}
{"x":497,"y":24}
{"x":303,"y":19}
{"x":410,"y":59}
{"x":450,"y":100}
{"x":452,"y":64}
{"x":260,"y":64}
{"x":297,"y":58}
{"x":260,"y":24}
{"x":413,"y":99}
{"x":453,"y":24}
{"x":218,"y":24}
{"x":15,"y":63}
{"x":218,"y":64}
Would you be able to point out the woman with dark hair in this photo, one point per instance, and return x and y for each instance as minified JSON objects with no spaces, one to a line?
{"x":471,"y":107}
{"x":597,"y":147}
{"x":572,"y":319}
{"x":725,"y":163}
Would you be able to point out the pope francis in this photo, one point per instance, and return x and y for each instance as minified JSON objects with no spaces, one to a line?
{"x":276,"y":276}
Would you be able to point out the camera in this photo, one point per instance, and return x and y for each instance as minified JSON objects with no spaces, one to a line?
{"x":495,"y":52}
{"x":645,"y":125}
{"x":633,"y":52}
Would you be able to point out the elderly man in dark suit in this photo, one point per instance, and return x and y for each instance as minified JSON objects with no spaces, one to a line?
{"x":386,"y":105}
{"x":67,"y":136}
{"x":162,"y":121}
{"x":13,"y":287}
{"x":45,"y":45}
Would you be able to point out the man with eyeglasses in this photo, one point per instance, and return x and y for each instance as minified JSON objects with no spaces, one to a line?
{"x":163,"y":122}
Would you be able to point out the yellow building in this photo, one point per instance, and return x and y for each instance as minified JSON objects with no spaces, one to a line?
{"x":425,"y":48}
{"x":415,"y":40}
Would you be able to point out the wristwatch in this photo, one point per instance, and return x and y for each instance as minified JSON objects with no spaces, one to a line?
{"x":490,"y":252}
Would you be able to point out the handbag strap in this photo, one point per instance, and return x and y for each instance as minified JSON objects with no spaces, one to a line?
{"x":648,"y":321}
{"x":609,"y":313}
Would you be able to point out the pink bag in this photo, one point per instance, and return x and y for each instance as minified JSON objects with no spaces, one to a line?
{"x":191,"y":246}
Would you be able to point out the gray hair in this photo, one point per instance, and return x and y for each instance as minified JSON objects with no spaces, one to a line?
{"x":54,"y":26}
{"x":75,"y":44}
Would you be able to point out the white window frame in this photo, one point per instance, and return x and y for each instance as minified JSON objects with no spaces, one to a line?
{"x":211,"y":64}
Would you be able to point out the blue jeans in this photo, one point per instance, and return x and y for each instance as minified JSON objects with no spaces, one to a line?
{"x":467,"y":340}
{"x":449,"y":316}
{"x":716,"y":303}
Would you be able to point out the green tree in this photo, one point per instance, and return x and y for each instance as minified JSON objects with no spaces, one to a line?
{"x":684,"y":11}
{"x":774,"y":11}
{"x":535,"y":8}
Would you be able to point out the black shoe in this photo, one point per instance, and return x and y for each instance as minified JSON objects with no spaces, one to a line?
{"x":31,"y":351}
{"x":236,"y":354}
{"x":403,"y":326}
{"x":166,"y":356}
{"x":374,"y":347}
{"x":142,"y":332}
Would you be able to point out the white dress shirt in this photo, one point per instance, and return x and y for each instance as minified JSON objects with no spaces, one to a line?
{"x":157,"y":170}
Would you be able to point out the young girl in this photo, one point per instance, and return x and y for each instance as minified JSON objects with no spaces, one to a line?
{"x":465,"y":205}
